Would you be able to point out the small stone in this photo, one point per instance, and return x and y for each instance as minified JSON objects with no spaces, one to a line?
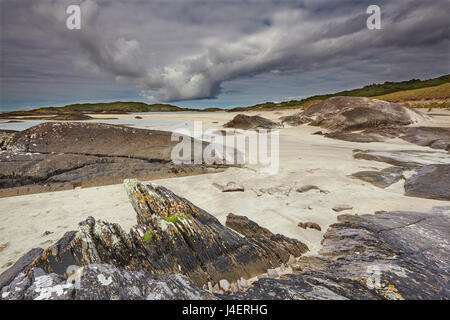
{"x":342,"y":207}
{"x":46,"y":233}
{"x":291,"y":260}
{"x":210,"y":286}
{"x":216,"y":288}
{"x":285,"y":270}
{"x":262,"y":276}
{"x":307,"y":188}
{"x":242,"y":284}
{"x":229,"y":187}
{"x":296,"y":268}
{"x":272,"y":273}
{"x":234,"y":287}
{"x":224,"y":285}
{"x":3,"y":246}
{"x":280,"y":190}
{"x":310,"y":225}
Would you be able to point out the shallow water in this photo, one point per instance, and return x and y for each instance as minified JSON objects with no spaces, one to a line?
{"x":145,"y":123}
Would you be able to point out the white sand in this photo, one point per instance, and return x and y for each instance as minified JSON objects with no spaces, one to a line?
{"x":304,"y":159}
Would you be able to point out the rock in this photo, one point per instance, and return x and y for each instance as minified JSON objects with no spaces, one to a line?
{"x":3,"y":246}
{"x":342,"y":207}
{"x":291,"y":260}
{"x":310,"y":225}
{"x":245,"y":226}
{"x":61,"y":156}
{"x":354,"y":113}
{"x":272,"y":273}
{"x":216,"y":289}
{"x":296,"y":119}
{"x":138,"y":117}
{"x":309,"y":187}
{"x":381,"y":179}
{"x":46,"y":233}
{"x":6,"y":137}
{"x":280,"y":190}
{"x":285,"y":270}
{"x":396,"y":255}
{"x":242,"y":284}
{"x":95,"y":139}
{"x":433,"y":137}
{"x":172,"y":235}
{"x":245,"y":122}
{"x":224,"y":285}
{"x":229,"y":187}
{"x":431,"y":182}
{"x":404,"y":158}
{"x":23,"y":263}
{"x":355,"y":137}
{"x":106,"y":282}
{"x":234,"y":287}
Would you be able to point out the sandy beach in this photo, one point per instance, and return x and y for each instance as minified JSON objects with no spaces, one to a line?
{"x":38,"y":220}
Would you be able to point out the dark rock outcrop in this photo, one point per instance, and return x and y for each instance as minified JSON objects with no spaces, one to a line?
{"x":360,"y":137}
{"x":58,"y":156}
{"x":383,"y":178}
{"x":6,"y":137}
{"x":309,"y":225}
{"x":431,"y":182}
{"x":245,"y":122}
{"x":24,"y":262}
{"x":410,"y":159}
{"x":171,"y":236}
{"x":433,"y":137}
{"x":103,"y":282}
{"x":96,"y":139}
{"x":354,"y":113}
{"x":245,"y":226}
{"x":396,"y":255}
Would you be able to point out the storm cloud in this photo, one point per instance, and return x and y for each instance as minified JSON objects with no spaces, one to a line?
{"x":187,"y":50}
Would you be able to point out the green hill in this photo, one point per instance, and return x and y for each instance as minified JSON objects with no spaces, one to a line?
{"x":373,"y":90}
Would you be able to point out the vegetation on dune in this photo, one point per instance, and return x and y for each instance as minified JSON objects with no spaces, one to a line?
{"x":373,"y":90}
{"x":437,"y":92}
{"x":391,"y":91}
{"x":121,"y":106}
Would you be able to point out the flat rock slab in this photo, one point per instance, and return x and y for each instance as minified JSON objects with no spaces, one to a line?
{"x":279,"y":190}
{"x":172,"y":235}
{"x":245,"y":122}
{"x":310,"y":187}
{"x":342,"y":207}
{"x":355,"y":137}
{"x":431,"y":182}
{"x":394,"y":256}
{"x":381,"y":179}
{"x":433,"y":137}
{"x":229,"y":187}
{"x":404,"y":158}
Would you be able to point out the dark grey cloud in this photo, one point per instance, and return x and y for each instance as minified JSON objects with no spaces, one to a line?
{"x":184,"y":50}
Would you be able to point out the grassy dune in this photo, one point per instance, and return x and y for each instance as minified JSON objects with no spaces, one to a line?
{"x":432,"y":97}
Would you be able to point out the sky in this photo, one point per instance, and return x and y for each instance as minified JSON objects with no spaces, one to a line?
{"x":213,"y":53}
